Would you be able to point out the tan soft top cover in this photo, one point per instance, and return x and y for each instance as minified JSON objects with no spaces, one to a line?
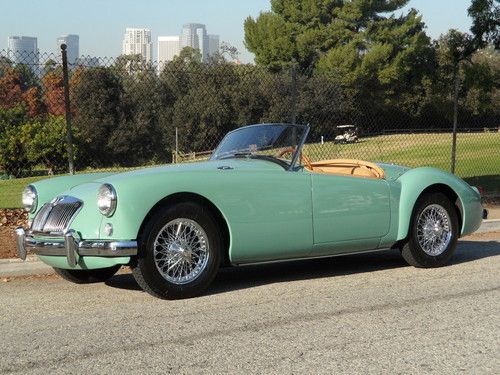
{"x":348,"y":167}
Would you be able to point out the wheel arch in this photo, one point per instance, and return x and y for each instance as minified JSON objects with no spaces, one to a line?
{"x":407,"y":210}
{"x":181,"y":197}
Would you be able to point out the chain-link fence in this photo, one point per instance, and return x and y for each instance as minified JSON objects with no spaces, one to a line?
{"x":125,"y":113}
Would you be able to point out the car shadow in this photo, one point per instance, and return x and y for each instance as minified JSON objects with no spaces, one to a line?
{"x":236,"y":278}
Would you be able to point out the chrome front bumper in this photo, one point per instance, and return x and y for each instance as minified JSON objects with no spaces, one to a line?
{"x":71,"y":246}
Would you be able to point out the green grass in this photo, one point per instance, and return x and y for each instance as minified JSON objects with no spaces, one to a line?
{"x":478,"y":154}
{"x":478,"y":158}
{"x":10,"y":191}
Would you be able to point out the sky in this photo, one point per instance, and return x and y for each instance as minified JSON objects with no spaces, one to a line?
{"x":101,"y":23}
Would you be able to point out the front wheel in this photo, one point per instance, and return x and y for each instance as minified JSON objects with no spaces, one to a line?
{"x":87,"y":276}
{"x":433,"y":232}
{"x":179,"y":252}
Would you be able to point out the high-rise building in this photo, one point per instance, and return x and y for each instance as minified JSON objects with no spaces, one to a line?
{"x":168,"y":48}
{"x":213,"y":44}
{"x":137,"y":41}
{"x":23,"y":50}
{"x":194,"y":35}
{"x":72,"y":47}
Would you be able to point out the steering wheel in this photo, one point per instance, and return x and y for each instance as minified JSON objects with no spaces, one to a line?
{"x":304,"y":159}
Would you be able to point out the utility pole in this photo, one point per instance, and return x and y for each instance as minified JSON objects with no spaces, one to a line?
{"x":455,"y":120}
{"x":67,"y":108}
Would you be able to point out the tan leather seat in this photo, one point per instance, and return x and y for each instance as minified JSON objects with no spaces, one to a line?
{"x":348,"y":167}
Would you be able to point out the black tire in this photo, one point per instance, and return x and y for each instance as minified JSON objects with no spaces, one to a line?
{"x":87,"y":276}
{"x":412,"y":251}
{"x":144,"y":267}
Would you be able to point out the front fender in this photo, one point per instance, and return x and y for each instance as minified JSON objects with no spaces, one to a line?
{"x":415,"y":181}
{"x":136,"y":198}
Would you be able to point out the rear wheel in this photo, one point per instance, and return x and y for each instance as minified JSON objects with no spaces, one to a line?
{"x":433,"y":232}
{"x":179,"y":252}
{"x":87,"y":276}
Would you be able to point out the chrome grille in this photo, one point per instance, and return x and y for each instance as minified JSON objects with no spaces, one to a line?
{"x":55,"y":217}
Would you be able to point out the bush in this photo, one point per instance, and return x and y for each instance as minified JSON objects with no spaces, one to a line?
{"x":13,"y":158}
{"x":45,"y":142}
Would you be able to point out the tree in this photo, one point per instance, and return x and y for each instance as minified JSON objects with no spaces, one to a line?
{"x":54,"y":92}
{"x":138,"y":137}
{"x":27,"y":76}
{"x":10,"y":88}
{"x":353,"y":34}
{"x":13,"y":159}
{"x":34,"y":104}
{"x":98,"y":112}
{"x":485,"y":22}
{"x":49,"y":66}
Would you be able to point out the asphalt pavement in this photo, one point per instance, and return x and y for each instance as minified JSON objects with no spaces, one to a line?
{"x":357,"y":314}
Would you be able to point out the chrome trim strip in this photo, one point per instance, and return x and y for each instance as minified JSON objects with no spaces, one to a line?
{"x":311,"y":257}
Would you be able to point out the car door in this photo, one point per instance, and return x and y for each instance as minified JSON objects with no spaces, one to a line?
{"x":349,"y":213}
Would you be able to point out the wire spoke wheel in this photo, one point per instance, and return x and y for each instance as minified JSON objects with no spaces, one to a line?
{"x":434,"y":230}
{"x":181,"y":251}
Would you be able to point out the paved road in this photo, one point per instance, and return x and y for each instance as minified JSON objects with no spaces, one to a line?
{"x":357,"y":314}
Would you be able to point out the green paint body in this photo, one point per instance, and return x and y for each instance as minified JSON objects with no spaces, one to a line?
{"x":271,"y":214}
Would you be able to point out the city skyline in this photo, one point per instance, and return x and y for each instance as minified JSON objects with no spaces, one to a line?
{"x":101,"y":35}
{"x":135,"y":41}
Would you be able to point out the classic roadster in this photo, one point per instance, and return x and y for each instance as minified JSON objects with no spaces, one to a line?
{"x":258,"y":199}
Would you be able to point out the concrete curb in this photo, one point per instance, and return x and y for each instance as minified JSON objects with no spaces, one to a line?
{"x":33,"y":266}
{"x":489,"y":226}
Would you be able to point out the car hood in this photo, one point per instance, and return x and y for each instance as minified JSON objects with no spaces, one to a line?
{"x":205,"y":166}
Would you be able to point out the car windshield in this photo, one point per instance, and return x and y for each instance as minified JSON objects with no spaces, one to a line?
{"x":274,"y":142}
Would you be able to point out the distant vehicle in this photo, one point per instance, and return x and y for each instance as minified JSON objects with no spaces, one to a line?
{"x":349,"y":134}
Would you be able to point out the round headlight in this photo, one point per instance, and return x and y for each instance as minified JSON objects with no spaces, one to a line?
{"x":30,"y":198}
{"x":106,"y":199}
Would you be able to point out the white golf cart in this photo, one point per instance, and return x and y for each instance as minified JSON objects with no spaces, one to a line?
{"x":347,"y":134}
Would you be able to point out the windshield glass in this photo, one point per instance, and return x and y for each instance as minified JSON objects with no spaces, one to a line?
{"x":273,"y":142}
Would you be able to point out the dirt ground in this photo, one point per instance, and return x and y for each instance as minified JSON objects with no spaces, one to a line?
{"x":10,"y":220}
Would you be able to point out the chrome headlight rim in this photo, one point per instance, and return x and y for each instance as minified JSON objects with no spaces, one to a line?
{"x":107,"y":200}
{"x":30,"y":192}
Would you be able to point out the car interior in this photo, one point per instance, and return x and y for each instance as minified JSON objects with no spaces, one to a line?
{"x":346,"y":167}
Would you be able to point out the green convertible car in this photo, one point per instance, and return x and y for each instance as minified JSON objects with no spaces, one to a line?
{"x":257,"y":199}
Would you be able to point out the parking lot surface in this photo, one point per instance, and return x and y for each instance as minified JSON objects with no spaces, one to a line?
{"x":358,"y":314}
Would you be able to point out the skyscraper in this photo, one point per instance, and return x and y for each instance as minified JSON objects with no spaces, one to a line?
{"x":168,"y":48}
{"x":213,"y":44}
{"x":72,"y":47}
{"x":194,"y":35}
{"x":23,"y":50}
{"x":137,"y":41}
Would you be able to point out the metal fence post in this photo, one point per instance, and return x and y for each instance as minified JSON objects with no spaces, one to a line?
{"x":293,"y":104}
{"x":67,"y":109}
{"x":455,"y":120}
{"x":176,"y":145}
